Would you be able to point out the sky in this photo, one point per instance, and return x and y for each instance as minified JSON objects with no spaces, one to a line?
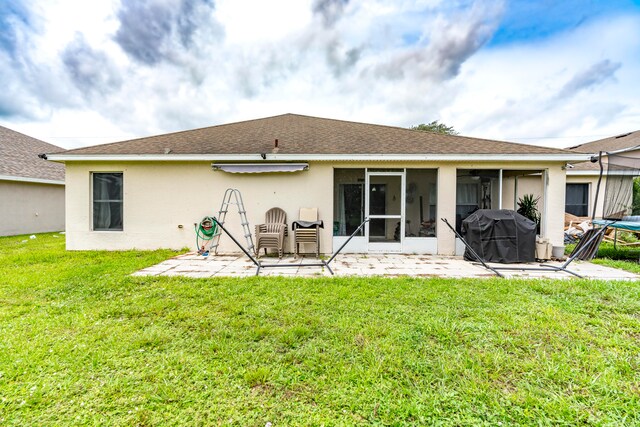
{"x":553,"y":73}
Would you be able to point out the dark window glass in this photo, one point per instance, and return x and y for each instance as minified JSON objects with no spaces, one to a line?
{"x":348,"y":201}
{"x":107,"y":201}
{"x":577,"y":199}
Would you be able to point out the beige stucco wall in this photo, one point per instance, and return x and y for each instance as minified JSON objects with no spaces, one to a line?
{"x":446,"y":208}
{"x":27,"y":208}
{"x":553,"y":210}
{"x":158,"y":197}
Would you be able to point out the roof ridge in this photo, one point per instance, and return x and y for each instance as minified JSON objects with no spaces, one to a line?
{"x":562,"y":150}
{"x":303,"y":134}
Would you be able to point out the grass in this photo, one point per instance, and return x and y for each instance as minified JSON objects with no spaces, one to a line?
{"x":622,"y":257}
{"x":84,"y":343}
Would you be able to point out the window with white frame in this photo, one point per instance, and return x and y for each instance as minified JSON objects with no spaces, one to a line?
{"x":577,"y":199}
{"x":107,"y":201}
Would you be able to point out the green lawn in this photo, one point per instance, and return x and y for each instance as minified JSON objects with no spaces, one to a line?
{"x":84,"y":343}
{"x":622,"y":257}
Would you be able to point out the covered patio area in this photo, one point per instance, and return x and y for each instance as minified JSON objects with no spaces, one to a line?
{"x":388,"y":265}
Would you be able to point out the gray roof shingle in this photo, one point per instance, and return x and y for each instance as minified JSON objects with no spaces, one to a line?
{"x":297,"y":134}
{"x":19,"y":157}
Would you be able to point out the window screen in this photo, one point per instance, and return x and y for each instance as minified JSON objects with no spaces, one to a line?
{"x":107,"y":201}
{"x":577,"y":201}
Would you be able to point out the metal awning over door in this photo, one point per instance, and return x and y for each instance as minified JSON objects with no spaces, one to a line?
{"x":259,"y":167}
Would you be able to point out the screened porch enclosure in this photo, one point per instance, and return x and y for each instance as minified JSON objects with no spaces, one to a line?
{"x":401,"y":205}
{"x":496,"y":189}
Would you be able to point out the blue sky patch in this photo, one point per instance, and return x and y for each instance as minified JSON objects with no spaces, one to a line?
{"x":530,"y":20}
{"x":411,"y":38}
{"x":11,"y":12}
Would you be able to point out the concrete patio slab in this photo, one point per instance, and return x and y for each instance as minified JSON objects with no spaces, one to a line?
{"x":388,"y":265}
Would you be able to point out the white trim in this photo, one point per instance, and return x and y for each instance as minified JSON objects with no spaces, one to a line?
{"x":34,"y":180}
{"x":319,"y":157}
{"x":597,"y":172}
{"x":573,"y":172}
{"x":358,"y":244}
{"x":420,"y":245}
{"x":500,"y":189}
{"x":386,"y":246}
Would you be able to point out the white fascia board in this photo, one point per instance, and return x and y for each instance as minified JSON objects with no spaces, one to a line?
{"x":33,"y":180}
{"x":597,"y":172}
{"x":583,"y":172}
{"x":570,"y":157}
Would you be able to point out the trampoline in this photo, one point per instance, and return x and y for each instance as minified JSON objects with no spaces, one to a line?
{"x":633,"y":226}
{"x":623,"y":225}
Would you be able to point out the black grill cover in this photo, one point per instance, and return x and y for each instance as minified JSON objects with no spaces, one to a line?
{"x":500,"y":235}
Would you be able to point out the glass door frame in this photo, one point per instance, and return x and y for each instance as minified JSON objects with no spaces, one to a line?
{"x":385,"y":246}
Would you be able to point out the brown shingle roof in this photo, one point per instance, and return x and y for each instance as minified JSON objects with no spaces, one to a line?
{"x":613,"y":143}
{"x":19,"y":157}
{"x":297,"y":134}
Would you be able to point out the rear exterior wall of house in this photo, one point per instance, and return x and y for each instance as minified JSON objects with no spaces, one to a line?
{"x":163,"y":200}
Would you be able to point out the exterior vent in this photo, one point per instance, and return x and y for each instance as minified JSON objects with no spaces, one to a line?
{"x":623,"y":135}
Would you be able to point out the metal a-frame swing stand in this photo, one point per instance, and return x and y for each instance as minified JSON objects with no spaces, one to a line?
{"x":591,"y":242}
{"x":322,"y":263}
{"x":473,"y":253}
{"x":543,"y":267}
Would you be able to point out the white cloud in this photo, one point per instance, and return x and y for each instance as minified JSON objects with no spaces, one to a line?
{"x":396,"y":63}
{"x":548,"y":89}
{"x":247,"y":21}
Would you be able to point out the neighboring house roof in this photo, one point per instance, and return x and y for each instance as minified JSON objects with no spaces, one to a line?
{"x":19,"y":159}
{"x":299,"y":135}
{"x":613,"y":143}
{"x":626,"y":141}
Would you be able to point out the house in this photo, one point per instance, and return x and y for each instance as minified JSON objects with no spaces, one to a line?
{"x":31,"y":189}
{"x":582,"y":178}
{"x":147,"y":193}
